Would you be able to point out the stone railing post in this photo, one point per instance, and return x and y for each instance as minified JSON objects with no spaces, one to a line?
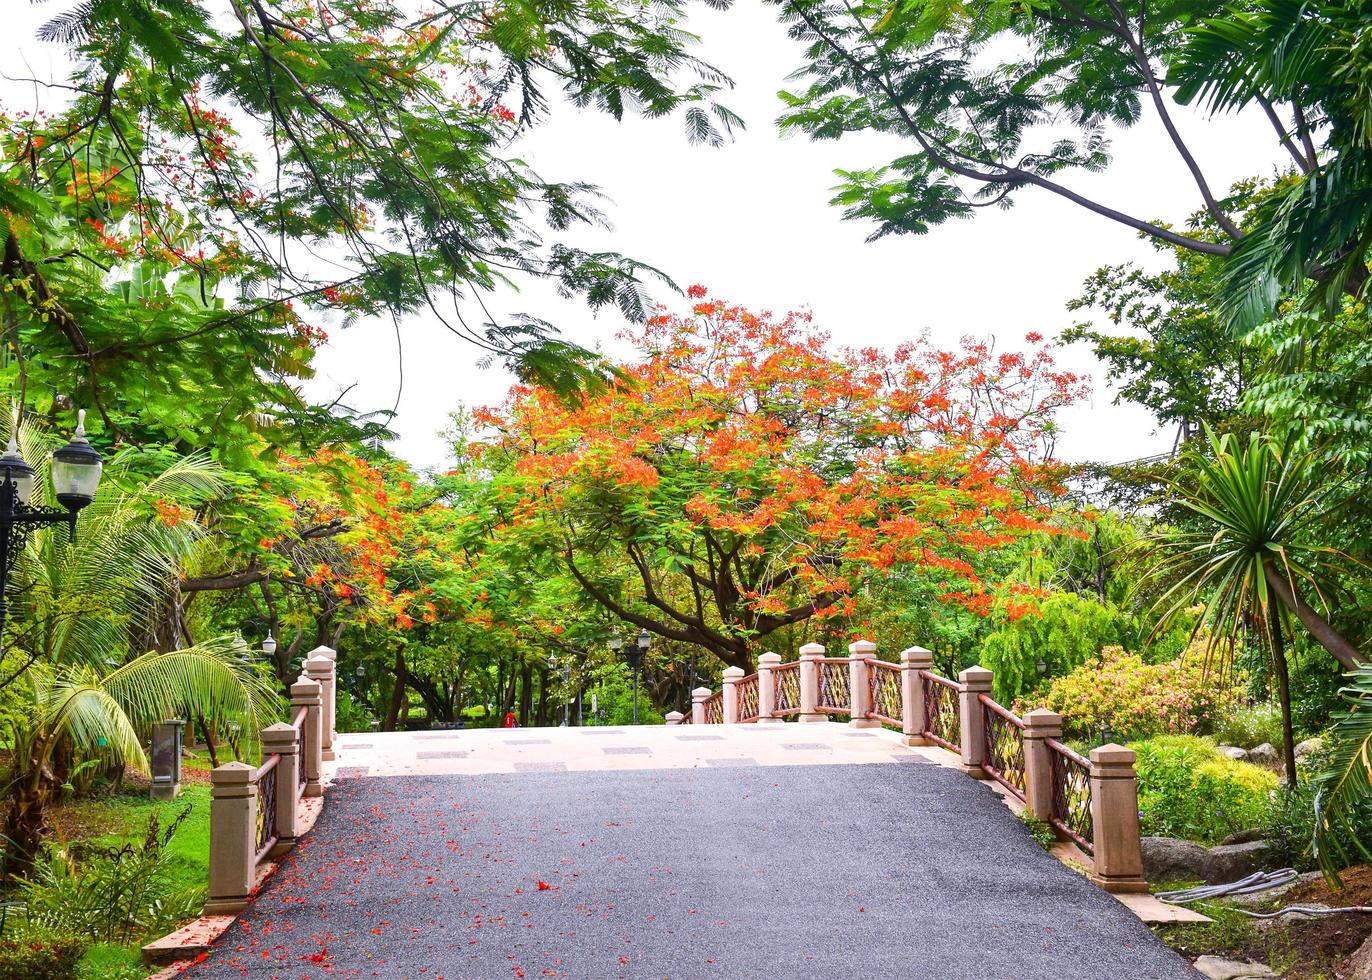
{"x":330,"y":697}
{"x":767,"y":689}
{"x":279,"y":739}
{"x":698,"y":698}
{"x":859,"y":684}
{"x":972,"y":682}
{"x":1118,"y":853}
{"x":732,"y":675}
{"x":912,"y":720}
{"x":1039,"y":724}
{"x":674,"y":717}
{"x":321,"y":670}
{"x":305,"y":694}
{"x":809,"y":682}
{"x":233,"y":837}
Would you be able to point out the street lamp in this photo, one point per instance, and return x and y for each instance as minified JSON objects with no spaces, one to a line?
{"x":75,"y":477}
{"x":635,"y":654}
{"x":240,"y":649}
{"x":269,"y":645}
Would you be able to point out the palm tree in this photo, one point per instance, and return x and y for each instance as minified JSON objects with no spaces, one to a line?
{"x":81,"y":598}
{"x":1256,"y":555}
{"x":1345,"y":785}
{"x":86,"y":713}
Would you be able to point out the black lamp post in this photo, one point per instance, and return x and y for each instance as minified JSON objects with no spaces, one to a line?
{"x":75,"y":477}
{"x":635,"y":653}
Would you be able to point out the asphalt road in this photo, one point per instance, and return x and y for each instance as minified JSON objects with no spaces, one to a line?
{"x":900,"y":870}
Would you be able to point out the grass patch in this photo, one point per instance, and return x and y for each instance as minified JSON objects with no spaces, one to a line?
{"x":123,"y":816}
{"x":107,"y":962}
{"x":1230,"y":934}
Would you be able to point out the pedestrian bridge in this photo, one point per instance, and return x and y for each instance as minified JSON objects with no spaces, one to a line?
{"x":727,"y":843}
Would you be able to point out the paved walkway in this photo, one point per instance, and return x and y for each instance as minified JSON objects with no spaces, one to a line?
{"x":748,"y":851}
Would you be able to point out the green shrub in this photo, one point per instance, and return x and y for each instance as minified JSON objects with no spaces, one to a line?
{"x":1289,"y":824}
{"x":107,"y":894}
{"x":1188,"y":789}
{"x":38,"y":956}
{"x":1137,"y":699}
{"x":1249,"y":726}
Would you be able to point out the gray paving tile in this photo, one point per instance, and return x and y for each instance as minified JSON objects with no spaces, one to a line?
{"x":860,"y":734}
{"x":701,"y":738}
{"x":528,"y":741}
{"x":627,"y":750}
{"x":460,"y":754}
{"x":540,"y":767}
{"x":352,"y":772}
{"x":807,"y":747}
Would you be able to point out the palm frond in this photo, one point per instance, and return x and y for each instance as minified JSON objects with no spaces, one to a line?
{"x":1346,"y":782}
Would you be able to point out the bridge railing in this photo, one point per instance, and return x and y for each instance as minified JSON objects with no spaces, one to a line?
{"x":256,"y":812}
{"x":1091,"y":802}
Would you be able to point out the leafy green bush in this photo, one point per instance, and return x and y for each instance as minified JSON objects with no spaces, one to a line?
{"x":1249,"y":726}
{"x":111,"y":894}
{"x":1188,"y":789}
{"x":39,"y":956}
{"x":1121,"y":692}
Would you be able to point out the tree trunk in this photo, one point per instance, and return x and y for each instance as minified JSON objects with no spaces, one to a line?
{"x":526,"y":695}
{"x":209,"y":741}
{"x":1288,"y":737}
{"x":1344,"y":652}
{"x":397,"y":694}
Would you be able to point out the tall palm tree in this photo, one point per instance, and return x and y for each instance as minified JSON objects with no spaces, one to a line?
{"x":1257,"y":555}
{"x":95,"y":714}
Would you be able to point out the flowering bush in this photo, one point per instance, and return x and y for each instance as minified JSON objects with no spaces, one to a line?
{"x":1120,"y":692}
{"x":1188,"y":790}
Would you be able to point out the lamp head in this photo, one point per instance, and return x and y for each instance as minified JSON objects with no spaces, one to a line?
{"x":269,"y":644}
{"x":14,"y":468}
{"x":76,"y":469}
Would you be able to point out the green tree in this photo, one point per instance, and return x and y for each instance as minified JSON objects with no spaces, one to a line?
{"x":994,"y":97}
{"x":243,"y":143}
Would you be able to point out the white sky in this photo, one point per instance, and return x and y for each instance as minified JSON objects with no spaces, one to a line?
{"x":750,"y":221}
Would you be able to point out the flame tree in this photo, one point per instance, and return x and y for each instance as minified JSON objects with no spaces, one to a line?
{"x":741,"y":476}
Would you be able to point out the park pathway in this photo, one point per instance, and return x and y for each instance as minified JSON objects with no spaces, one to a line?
{"x":787,"y":851}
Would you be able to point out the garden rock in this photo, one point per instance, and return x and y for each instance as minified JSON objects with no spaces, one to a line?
{"x":1244,"y":836}
{"x":1233,"y":752}
{"x":1169,"y":859}
{"x":1230,"y":862}
{"x":1218,"y":968}
{"x":1264,"y":755}
{"x":1360,"y":963}
{"x":1306,"y":747}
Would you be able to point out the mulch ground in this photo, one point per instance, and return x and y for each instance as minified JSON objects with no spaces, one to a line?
{"x":1331,"y":939}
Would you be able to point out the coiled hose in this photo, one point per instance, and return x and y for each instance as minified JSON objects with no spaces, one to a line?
{"x":1259,"y":882}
